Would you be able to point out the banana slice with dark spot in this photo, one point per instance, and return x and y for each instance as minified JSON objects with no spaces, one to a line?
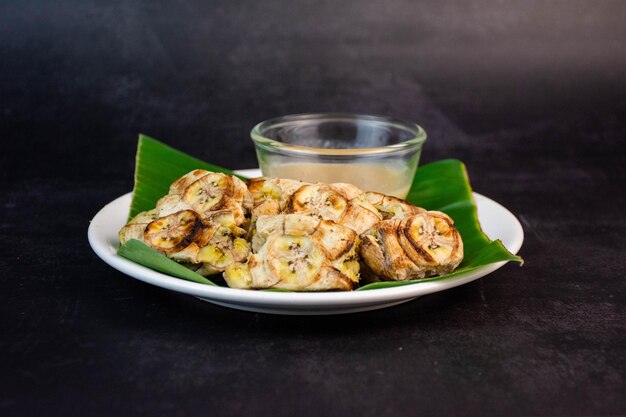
{"x":174,"y":232}
{"x":222,"y":243}
{"x":209,"y":193}
{"x":423,"y":245}
{"x":431,"y":241}
{"x":271,"y":195}
{"x":330,"y":203}
{"x":299,"y":253}
{"x":391,"y":207}
{"x":319,"y":200}
{"x":206,"y":192}
{"x":296,"y":260}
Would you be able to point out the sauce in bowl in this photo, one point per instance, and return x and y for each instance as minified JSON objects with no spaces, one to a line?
{"x":375,"y":153}
{"x":386,"y":179}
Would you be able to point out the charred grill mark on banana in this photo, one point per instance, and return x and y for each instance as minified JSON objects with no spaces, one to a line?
{"x":417,"y":247}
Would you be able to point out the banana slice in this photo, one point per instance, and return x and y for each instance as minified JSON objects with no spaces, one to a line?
{"x":174,"y":232}
{"x":135,"y":227}
{"x":340,"y":244}
{"x":423,"y":245}
{"x":240,"y":201}
{"x":349,"y":191}
{"x":206,"y":192}
{"x":331,"y":203}
{"x":319,"y":200}
{"x":266,"y":196}
{"x":170,"y":204}
{"x":241,"y":193}
{"x":282,"y":224}
{"x":209,"y":193}
{"x":335,"y":240}
{"x":238,"y":275}
{"x":360,"y":215}
{"x":188,"y":255}
{"x":391,"y":207}
{"x":299,"y":253}
{"x":431,"y":241}
{"x":144,"y":217}
{"x":271,"y":195}
{"x":222,"y":243}
{"x":179,"y":186}
{"x":296,"y":260}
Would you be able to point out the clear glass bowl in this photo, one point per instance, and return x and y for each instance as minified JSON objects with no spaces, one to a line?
{"x":375,"y":153}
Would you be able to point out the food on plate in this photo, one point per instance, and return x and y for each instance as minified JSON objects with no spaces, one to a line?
{"x":419,"y":246}
{"x":271,"y":195}
{"x":391,"y":207}
{"x":273,"y":233}
{"x":135,"y":227}
{"x":207,"y":192}
{"x":198,"y":223}
{"x":174,"y":232}
{"x":222,"y":244}
{"x":299,"y":253}
{"x":341,"y":203}
{"x":206,"y":245}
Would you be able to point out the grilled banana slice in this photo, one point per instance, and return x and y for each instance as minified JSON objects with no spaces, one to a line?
{"x":419,"y":246}
{"x":135,"y":227}
{"x":330,"y":203}
{"x":222,"y":244}
{"x":271,"y":195}
{"x":391,"y":207}
{"x":207,"y":192}
{"x":320,"y":200}
{"x":349,"y":191}
{"x":215,"y":243}
{"x":174,"y":232}
{"x":170,"y":204}
{"x":179,"y":186}
{"x":360,"y":215}
{"x":299,"y":253}
{"x":216,"y":191}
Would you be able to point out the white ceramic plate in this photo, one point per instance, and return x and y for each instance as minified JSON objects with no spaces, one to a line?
{"x":496,"y":221}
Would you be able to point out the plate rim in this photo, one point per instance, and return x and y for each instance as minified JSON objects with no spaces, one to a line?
{"x":289,"y":300}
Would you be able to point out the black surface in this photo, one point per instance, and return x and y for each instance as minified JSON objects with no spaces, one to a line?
{"x":530,"y":94}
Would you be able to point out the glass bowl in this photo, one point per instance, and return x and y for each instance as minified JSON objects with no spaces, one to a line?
{"x":376,"y":153}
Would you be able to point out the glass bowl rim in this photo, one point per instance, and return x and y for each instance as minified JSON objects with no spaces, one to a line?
{"x":419,"y":135}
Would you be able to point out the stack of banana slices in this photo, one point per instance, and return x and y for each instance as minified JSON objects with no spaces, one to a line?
{"x":286,"y":234}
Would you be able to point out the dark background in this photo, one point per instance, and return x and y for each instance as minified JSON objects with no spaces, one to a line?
{"x":530,"y":94}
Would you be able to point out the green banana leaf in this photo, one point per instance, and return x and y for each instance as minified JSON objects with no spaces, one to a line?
{"x":143,"y":254}
{"x":442,"y":185}
{"x":156,"y":167}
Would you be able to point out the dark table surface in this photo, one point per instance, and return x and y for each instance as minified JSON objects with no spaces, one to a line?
{"x":531,"y":95}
